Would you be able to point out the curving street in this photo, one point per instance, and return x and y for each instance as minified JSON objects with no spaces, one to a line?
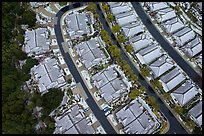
{"x":175,"y":126}
{"x":90,"y":101}
{"x":165,"y":45}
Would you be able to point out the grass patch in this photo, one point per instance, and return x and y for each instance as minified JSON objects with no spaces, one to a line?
{"x":62,"y":3}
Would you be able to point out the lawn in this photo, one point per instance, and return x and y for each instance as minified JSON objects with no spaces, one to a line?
{"x":62,"y":3}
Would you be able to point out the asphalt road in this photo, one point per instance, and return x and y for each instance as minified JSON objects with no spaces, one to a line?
{"x":174,"y":124}
{"x":90,"y":101}
{"x":165,"y":45}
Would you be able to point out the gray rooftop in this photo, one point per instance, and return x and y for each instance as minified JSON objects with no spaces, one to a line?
{"x":185,"y":93}
{"x":161,"y":65}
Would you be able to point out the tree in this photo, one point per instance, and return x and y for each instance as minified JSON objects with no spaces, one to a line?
{"x":105,"y":7}
{"x":103,"y":33}
{"x":109,"y":17}
{"x":143,"y":89}
{"x":96,"y":15}
{"x":178,"y":109}
{"x":52,"y":99}
{"x":167,"y":96}
{"x":152,"y":101}
{"x":69,"y":81}
{"x":129,"y":48}
{"x":144,"y":70}
{"x":116,"y":28}
{"x":156,"y":84}
{"x":92,"y":7}
{"x":134,"y":78}
{"x":29,"y":64}
{"x":134,"y":94}
{"x":121,"y":38}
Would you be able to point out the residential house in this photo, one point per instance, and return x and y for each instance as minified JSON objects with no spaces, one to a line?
{"x":48,"y":75}
{"x":172,"y":26}
{"x":183,"y":94}
{"x":109,"y":85}
{"x":77,"y":24}
{"x":196,"y":113}
{"x":172,"y":79}
{"x":91,"y":53}
{"x":122,"y":8}
{"x":74,"y":121}
{"x":163,"y":15}
{"x":140,"y":41}
{"x":126,"y":18}
{"x":132,"y":29}
{"x":193,"y":47}
{"x":136,"y":119}
{"x":149,"y":54}
{"x":155,"y":6}
{"x":161,"y":65}
{"x":36,"y":42}
{"x":184,"y":36}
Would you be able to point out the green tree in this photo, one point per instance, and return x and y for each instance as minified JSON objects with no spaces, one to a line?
{"x":134,"y":78}
{"x":52,"y":100}
{"x":103,"y":33}
{"x":156,"y":84}
{"x":110,"y":18}
{"x":121,"y":38}
{"x":105,"y":7}
{"x":144,"y":70}
{"x":92,"y":7}
{"x":143,"y":89}
{"x":134,"y":94}
{"x":129,"y":48}
{"x":178,"y":109}
{"x":29,"y":64}
{"x":116,"y":28}
{"x":167,"y":96}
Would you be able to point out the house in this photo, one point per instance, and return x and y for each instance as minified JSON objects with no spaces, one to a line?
{"x":196,"y":113}
{"x":193,"y":47}
{"x":154,"y":6}
{"x":161,"y":65}
{"x":183,"y":36}
{"x":172,"y":26}
{"x":172,"y":79}
{"x":126,"y":18}
{"x":115,"y":4}
{"x":183,"y":94}
{"x":149,"y":54}
{"x":136,"y":118}
{"x":163,"y":15}
{"x":73,"y":121}
{"x":48,"y":75}
{"x":36,"y":42}
{"x":140,"y":41}
{"x":77,"y":24}
{"x":91,"y":53}
{"x":132,"y":29}
{"x":109,"y":85}
{"x":120,"y":9}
